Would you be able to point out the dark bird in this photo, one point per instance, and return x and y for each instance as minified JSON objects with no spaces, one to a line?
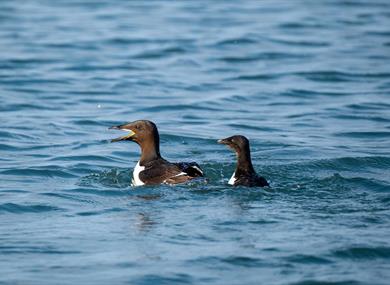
{"x":245,"y":174}
{"x":152,"y":169}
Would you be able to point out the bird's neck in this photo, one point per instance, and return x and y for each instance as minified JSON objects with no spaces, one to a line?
{"x":150,"y":151}
{"x":244,"y":162}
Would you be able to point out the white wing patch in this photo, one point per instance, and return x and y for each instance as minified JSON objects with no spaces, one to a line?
{"x":197,"y":168}
{"x":180,"y":174}
{"x":137,"y":170}
{"x":232,"y":179}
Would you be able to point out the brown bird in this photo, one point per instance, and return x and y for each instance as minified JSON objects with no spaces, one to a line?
{"x":152,"y":169}
{"x":245,"y":174}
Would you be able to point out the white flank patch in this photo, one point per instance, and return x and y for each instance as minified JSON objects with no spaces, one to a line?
{"x":136,"y":181}
{"x":232,"y":179}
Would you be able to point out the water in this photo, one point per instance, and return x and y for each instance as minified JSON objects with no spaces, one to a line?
{"x":307,"y":81}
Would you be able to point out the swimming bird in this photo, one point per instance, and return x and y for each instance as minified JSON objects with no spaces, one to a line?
{"x":245,"y":174}
{"x":152,"y":169}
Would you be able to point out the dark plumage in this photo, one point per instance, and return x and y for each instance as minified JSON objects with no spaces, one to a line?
{"x":245,"y":174}
{"x":152,"y":168}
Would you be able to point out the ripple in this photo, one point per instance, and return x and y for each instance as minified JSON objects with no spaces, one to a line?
{"x":300,"y":25}
{"x":256,"y":77}
{"x":338,"y":76}
{"x":362,"y":253}
{"x":364,"y":135}
{"x":235,"y":41}
{"x":251,"y":127}
{"x":345,"y":163}
{"x":33,"y":81}
{"x":348,"y":183}
{"x":362,"y":117}
{"x":302,"y":43}
{"x":160,"y":53}
{"x":88,"y":122}
{"x":25,"y":106}
{"x":21,"y":209}
{"x":161,"y":108}
{"x":101,"y":212}
{"x":243,"y":261}
{"x":303,"y":93}
{"x":44,"y":172}
{"x":262,"y":222}
{"x":17,"y":63}
{"x":308,"y":82}
{"x":177,"y":278}
{"x":369,"y":106}
{"x":308,"y":259}
{"x":130,"y":41}
{"x":8,"y":147}
{"x":263,"y":56}
{"x":35,"y":250}
{"x":116,"y":178}
{"x":85,"y":158}
{"x":319,"y":282}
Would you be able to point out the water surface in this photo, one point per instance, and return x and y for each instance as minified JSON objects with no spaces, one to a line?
{"x":307,"y":81}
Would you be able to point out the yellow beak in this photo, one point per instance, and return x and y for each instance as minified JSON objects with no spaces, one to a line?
{"x":128,"y":136}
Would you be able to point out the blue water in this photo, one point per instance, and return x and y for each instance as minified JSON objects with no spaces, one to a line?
{"x":307,"y":81}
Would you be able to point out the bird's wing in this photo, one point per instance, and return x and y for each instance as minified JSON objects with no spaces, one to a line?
{"x":191,"y":168}
{"x":163,"y":171}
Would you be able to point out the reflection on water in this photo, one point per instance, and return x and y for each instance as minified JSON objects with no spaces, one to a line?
{"x":145,"y":222}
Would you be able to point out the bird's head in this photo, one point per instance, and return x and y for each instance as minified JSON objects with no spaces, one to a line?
{"x":138,"y":131}
{"x":237,"y":142}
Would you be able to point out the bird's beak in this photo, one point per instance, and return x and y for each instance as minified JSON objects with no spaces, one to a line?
{"x":126,"y":137}
{"x":223,"y":141}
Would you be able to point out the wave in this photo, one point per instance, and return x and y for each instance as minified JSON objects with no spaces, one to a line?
{"x":365,"y":135}
{"x":316,"y":76}
{"x":323,"y":282}
{"x":363,"y":253}
{"x":25,"y":249}
{"x":41,"y":172}
{"x":308,"y":259}
{"x":21,"y":209}
{"x":116,"y":178}
{"x":264,"y":56}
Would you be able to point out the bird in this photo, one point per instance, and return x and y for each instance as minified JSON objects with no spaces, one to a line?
{"x":151,"y":168}
{"x":245,"y":174}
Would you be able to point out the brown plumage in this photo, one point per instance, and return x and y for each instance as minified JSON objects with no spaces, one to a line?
{"x":152,"y":168}
{"x":245,"y":174}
